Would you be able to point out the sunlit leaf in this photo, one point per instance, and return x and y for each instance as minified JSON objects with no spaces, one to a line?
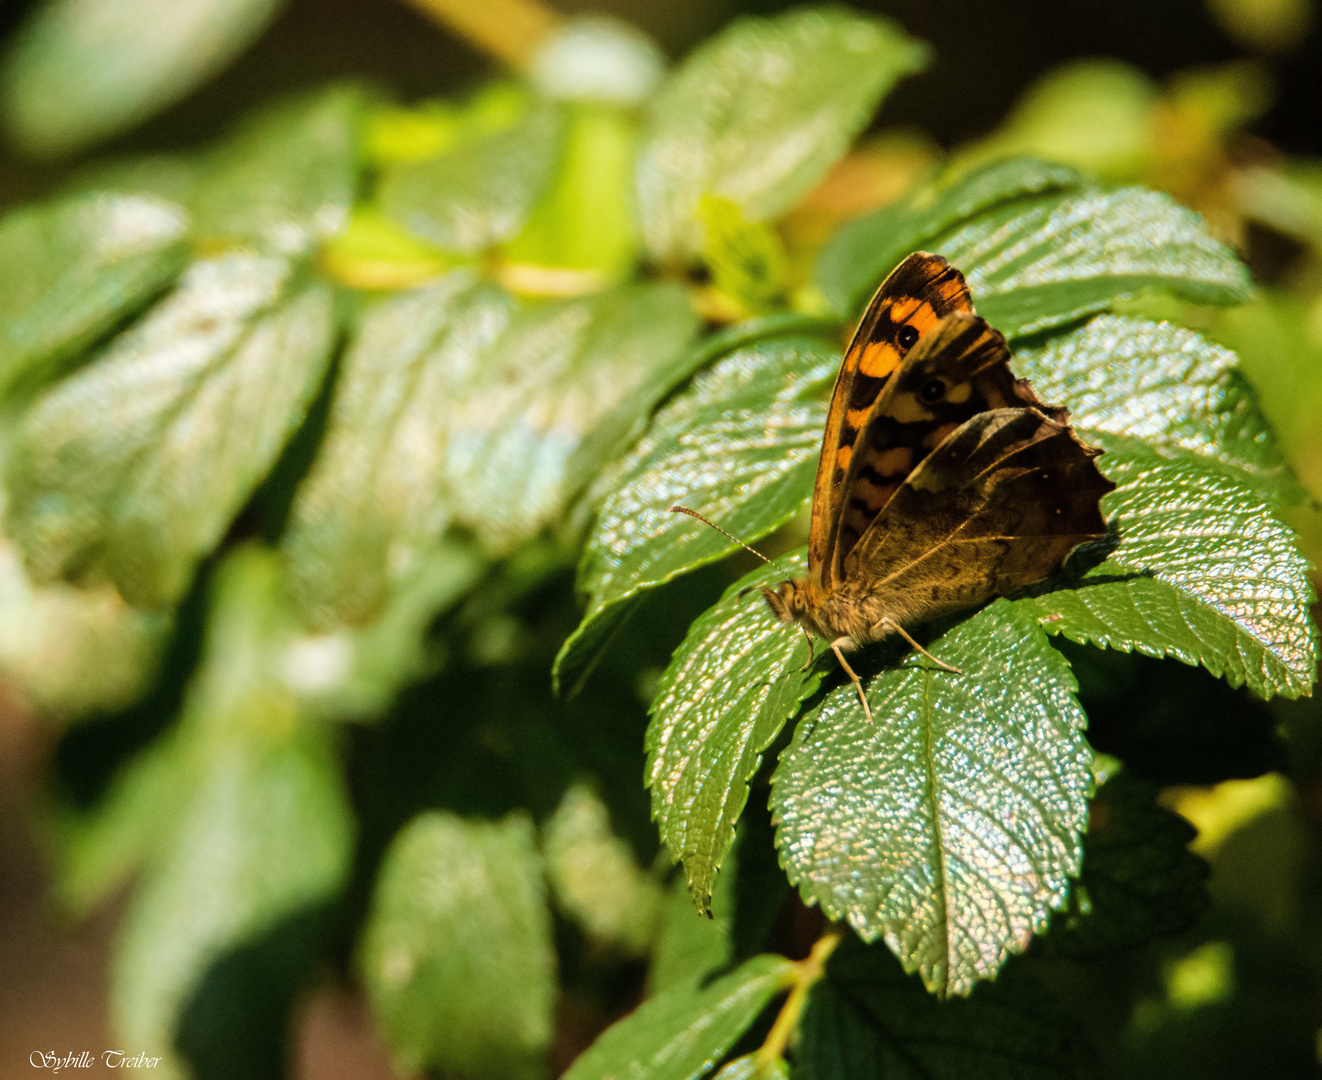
{"x":456,"y":955}
{"x":1204,"y":572}
{"x":867,"y":1020}
{"x":1170,"y":387}
{"x":739,"y":445}
{"x":479,"y":192}
{"x":759,"y":113}
{"x":730,"y":687}
{"x":863,"y":251}
{"x":133,"y":468}
{"x":542,"y":389}
{"x":71,"y":269}
{"x":81,"y":70}
{"x":752,"y":1067}
{"x":287,"y":178}
{"x":255,"y":826}
{"x":681,"y":1033}
{"x":375,"y":499}
{"x":951,"y":824}
{"x":1036,"y":261}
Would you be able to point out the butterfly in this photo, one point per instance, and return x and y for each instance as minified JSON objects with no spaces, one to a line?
{"x":943,"y":481}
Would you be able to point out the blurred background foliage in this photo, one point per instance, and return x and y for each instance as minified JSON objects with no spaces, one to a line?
{"x":246,"y":946}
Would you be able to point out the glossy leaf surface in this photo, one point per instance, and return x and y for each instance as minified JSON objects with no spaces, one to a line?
{"x":951,"y":824}
{"x":728,"y":691}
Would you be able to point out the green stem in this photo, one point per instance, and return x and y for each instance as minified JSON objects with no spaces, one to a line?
{"x":806,"y":974}
{"x":509,"y":30}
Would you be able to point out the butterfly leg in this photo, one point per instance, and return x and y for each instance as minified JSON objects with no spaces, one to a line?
{"x":807,"y":663}
{"x":891,"y":624}
{"x":858,"y":685}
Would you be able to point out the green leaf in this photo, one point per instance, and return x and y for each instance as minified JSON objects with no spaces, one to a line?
{"x":374,"y":502}
{"x":1049,"y":260}
{"x":1204,"y":572}
{"x":287,"y":178}
{"x":747,"y":260}
{"x":78,"y":653}
{"x":681,"y":1033}
{"x":481,"y":191}
{"x":863,"y":251}
{"x":867,"y":1020}
{"x":1170,"y":387}
{"x":739,"y":445}
{"x":356,"y":673}
{"x":595,"y":876}
{"x":70,"y":270}
{"x":81,"y":70}
{"x":543,"y":387}
{"x":133,"y":468}
{"x":690,"y":945}
{"x":1038,"y":260}
{"x":951,"y":824}
{"x":456,"y":955}
{"x":585,"y":221}
{"x":1140,"y":881}
{"x":730,"y":687}
{"x":759,"y":113}
{"x":253,"y":826}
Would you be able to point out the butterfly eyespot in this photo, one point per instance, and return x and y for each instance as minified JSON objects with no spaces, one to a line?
{"x":907,"y":336}
{"x":932,"y":390}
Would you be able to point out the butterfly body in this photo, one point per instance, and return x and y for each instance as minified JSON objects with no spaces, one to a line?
{"x":943,"y":481}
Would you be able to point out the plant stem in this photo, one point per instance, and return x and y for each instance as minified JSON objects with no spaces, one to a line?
{"x":807,"y":972}
{"x":509,"y":30}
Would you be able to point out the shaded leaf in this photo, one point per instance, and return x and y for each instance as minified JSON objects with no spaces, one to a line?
{"x":355,"y":673}
{"x":739,"y":445}
{"x":1140,"y":881}
{"x":759,"y":113}
{"x":456,"y":955}
{"x":681,"y":1033}
{"x":730,"y":687}
{"x":690,"y":945}
{"x":1036,"y":261}
{"x":374,"y":501}
{"x":81,"y":70}
{"x":863,"y":251}
{"x":1204,"y":572}
{"x":595,"y":876}
{"x":1169,"y":387}
{"x":867,"y":1020}
{"x":481,"y":191}
{"x":70,"y":270}
{"x":253,"y":826}
{"x":287,"y":178}
{"x":133,"y":468}
{"x":951,"y":824}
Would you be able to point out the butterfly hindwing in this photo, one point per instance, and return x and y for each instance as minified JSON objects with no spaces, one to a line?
{"x":997,"y":506}
{"x":920,"y":292}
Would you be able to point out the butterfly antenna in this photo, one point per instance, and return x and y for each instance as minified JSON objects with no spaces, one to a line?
{"x":695,"y":514}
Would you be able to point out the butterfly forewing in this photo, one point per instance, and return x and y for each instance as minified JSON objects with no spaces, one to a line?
{"x":916,"y":296}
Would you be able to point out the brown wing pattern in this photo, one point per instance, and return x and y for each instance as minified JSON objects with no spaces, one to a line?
{"x":920,"y":292}
{"x":998,"y":506}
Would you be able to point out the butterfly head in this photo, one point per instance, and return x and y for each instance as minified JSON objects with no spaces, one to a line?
{"x":790,"y":601}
